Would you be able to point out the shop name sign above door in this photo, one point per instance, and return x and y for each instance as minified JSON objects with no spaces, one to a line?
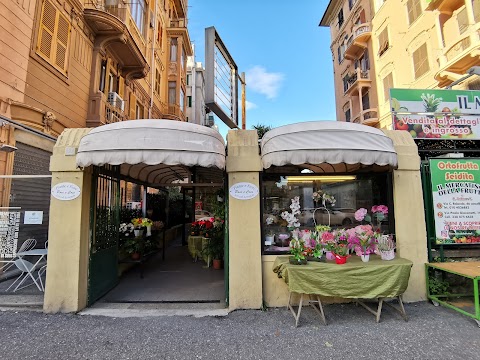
{"x":65,"y":191}
{"x":436,"y":114}
{"x":243,"y":191}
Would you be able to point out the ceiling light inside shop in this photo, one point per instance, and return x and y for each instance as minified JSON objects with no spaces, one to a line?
{"x":325,"y":179}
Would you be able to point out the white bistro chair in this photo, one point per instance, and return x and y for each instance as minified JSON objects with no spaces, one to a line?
{"x":27,"y":268}
{"x":27,"y":245}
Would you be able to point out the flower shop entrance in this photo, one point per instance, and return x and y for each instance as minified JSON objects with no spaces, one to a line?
{"x":165,"y":273}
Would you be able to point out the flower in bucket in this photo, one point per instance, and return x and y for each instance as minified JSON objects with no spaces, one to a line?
{"x":379,"y":213}
{"x":328,"y":240}
{"x":362,"y":239}
{"x":141,"y":222}
{"x":126,"y":229}
{"x":289,"y":217}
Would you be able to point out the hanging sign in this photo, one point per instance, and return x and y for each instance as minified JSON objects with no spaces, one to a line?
{"x":437,"y":114}
{"x":243,"y":191}
{"x":65,"y":191}
{"x":456,"y":200}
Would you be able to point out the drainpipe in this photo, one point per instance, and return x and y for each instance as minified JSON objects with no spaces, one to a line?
{"x":193,"y":87}
{"x":153,"y":63}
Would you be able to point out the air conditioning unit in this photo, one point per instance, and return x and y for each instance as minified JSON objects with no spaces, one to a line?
{"x":210,"y":122}
{"x":115,"y":100}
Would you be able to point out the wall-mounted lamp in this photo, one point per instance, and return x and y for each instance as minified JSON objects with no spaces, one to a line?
{"x":8,"y":148}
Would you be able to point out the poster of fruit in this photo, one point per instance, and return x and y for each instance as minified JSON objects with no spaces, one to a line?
{"x":456,"y":200}
{"x":436,"y":114}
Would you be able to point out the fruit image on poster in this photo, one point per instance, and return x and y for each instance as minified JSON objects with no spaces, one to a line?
{"x":456,"y":200}
{"x":436,"y":114}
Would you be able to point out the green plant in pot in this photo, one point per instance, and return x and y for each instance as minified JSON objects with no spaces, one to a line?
{"x":214,"y":250}
{"x":133,"y":247}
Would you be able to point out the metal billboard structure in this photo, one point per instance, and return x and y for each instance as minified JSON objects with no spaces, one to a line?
{"x":221,"y":80}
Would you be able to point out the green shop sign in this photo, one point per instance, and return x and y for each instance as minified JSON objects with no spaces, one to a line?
{"x":436,"y":114}
{"x":456,"y":200}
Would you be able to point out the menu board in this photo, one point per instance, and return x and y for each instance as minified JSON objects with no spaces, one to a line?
{"x":9,"y":226}
{"x":456,"y":200}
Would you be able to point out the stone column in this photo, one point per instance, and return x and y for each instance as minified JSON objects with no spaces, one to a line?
{"x":410,"y":228}
{"x":68,"y":241}
{"x":245,"y":262}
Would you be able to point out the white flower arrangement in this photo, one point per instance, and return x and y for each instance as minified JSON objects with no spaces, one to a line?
{"x":126,"y":229}
{"x":290,"y":218}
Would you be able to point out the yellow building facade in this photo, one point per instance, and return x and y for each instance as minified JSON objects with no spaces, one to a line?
{"x":412,"y":44}
{"x":76,"y":64}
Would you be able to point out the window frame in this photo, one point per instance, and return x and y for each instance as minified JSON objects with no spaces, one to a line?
{"x":385,"y":197}
{"x":414,"y":11}
{"x":423,"y":58}
{"x":383,"y":44}
{"x":386,"y":91}
{"x":51,"y":59}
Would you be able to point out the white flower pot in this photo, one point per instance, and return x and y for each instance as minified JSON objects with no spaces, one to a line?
{"x":387,"y":255}
{"x":149,"y":230}
{"x":138,"y":232}
{"x":365,"y":258}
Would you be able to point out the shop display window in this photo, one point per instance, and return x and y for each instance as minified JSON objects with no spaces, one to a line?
{"x":323,"y":200}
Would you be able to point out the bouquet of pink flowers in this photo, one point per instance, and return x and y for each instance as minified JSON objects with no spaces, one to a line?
{"x":362,"y":239}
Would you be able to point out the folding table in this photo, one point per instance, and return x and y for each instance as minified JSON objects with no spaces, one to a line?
{"x":377,"y":279}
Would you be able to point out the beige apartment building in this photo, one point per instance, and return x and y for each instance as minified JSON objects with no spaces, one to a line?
{"x":408,"y":44}
{"x":74,"y":64}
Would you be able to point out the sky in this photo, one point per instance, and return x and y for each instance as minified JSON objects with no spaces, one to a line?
{"x":285,"y":54}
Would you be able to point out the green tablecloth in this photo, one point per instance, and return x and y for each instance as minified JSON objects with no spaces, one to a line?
{"x":355,"y":279}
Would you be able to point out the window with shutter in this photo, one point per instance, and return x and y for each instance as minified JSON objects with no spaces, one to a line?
{"x":132,"y":104}
{"x":476,"y":10}
{"x":157,"y":82}
{"x":53,"y":36}
{"x":414,"y":10}
{"x":420,"y":61}
{"x":383,"y":41}
{"x":462,"y":19}
{"x":387,"y":85}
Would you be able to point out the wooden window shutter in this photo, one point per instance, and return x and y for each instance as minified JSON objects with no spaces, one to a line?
{"x":121,"y":86}
{"x":47,"y":30}
{"x":462,"y":19}
{"x":420,"y":61}
{"x":132,"y":104}
{"x":63,"y":34}
{"x":387,"y":85}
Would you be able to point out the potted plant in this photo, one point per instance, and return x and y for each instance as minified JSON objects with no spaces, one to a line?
{"x":340,"y":252}
{"x":386,"y":247}
{"x":214,"y":251}
{"x":362,"y":239}
{"x":269,"y":234}
{"x":297,"y":249}
{"x":133,"y":247}
{"x":140,"y":224}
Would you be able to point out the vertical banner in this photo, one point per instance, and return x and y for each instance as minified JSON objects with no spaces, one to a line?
{"x":456,"y":200}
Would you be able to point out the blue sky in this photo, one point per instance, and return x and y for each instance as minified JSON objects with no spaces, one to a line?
{"x":285,"y":54}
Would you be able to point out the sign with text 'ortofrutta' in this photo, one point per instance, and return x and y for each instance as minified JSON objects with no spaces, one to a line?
{"x":456,"y":200}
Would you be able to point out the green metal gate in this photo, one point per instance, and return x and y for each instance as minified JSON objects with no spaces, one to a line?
{"x":428,"y":205}
{"x":104,"y":231}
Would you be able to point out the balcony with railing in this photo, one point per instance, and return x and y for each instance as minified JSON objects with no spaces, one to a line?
{"x":357,"y":42}
{"x":367,"y":117}
{"x":356,"y":80}
{"x":101,"y":112}
{"x":181,"y":7}
{"x":461,"y":47}
{"x":115,"y":29}
{"x":175,"y":113}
